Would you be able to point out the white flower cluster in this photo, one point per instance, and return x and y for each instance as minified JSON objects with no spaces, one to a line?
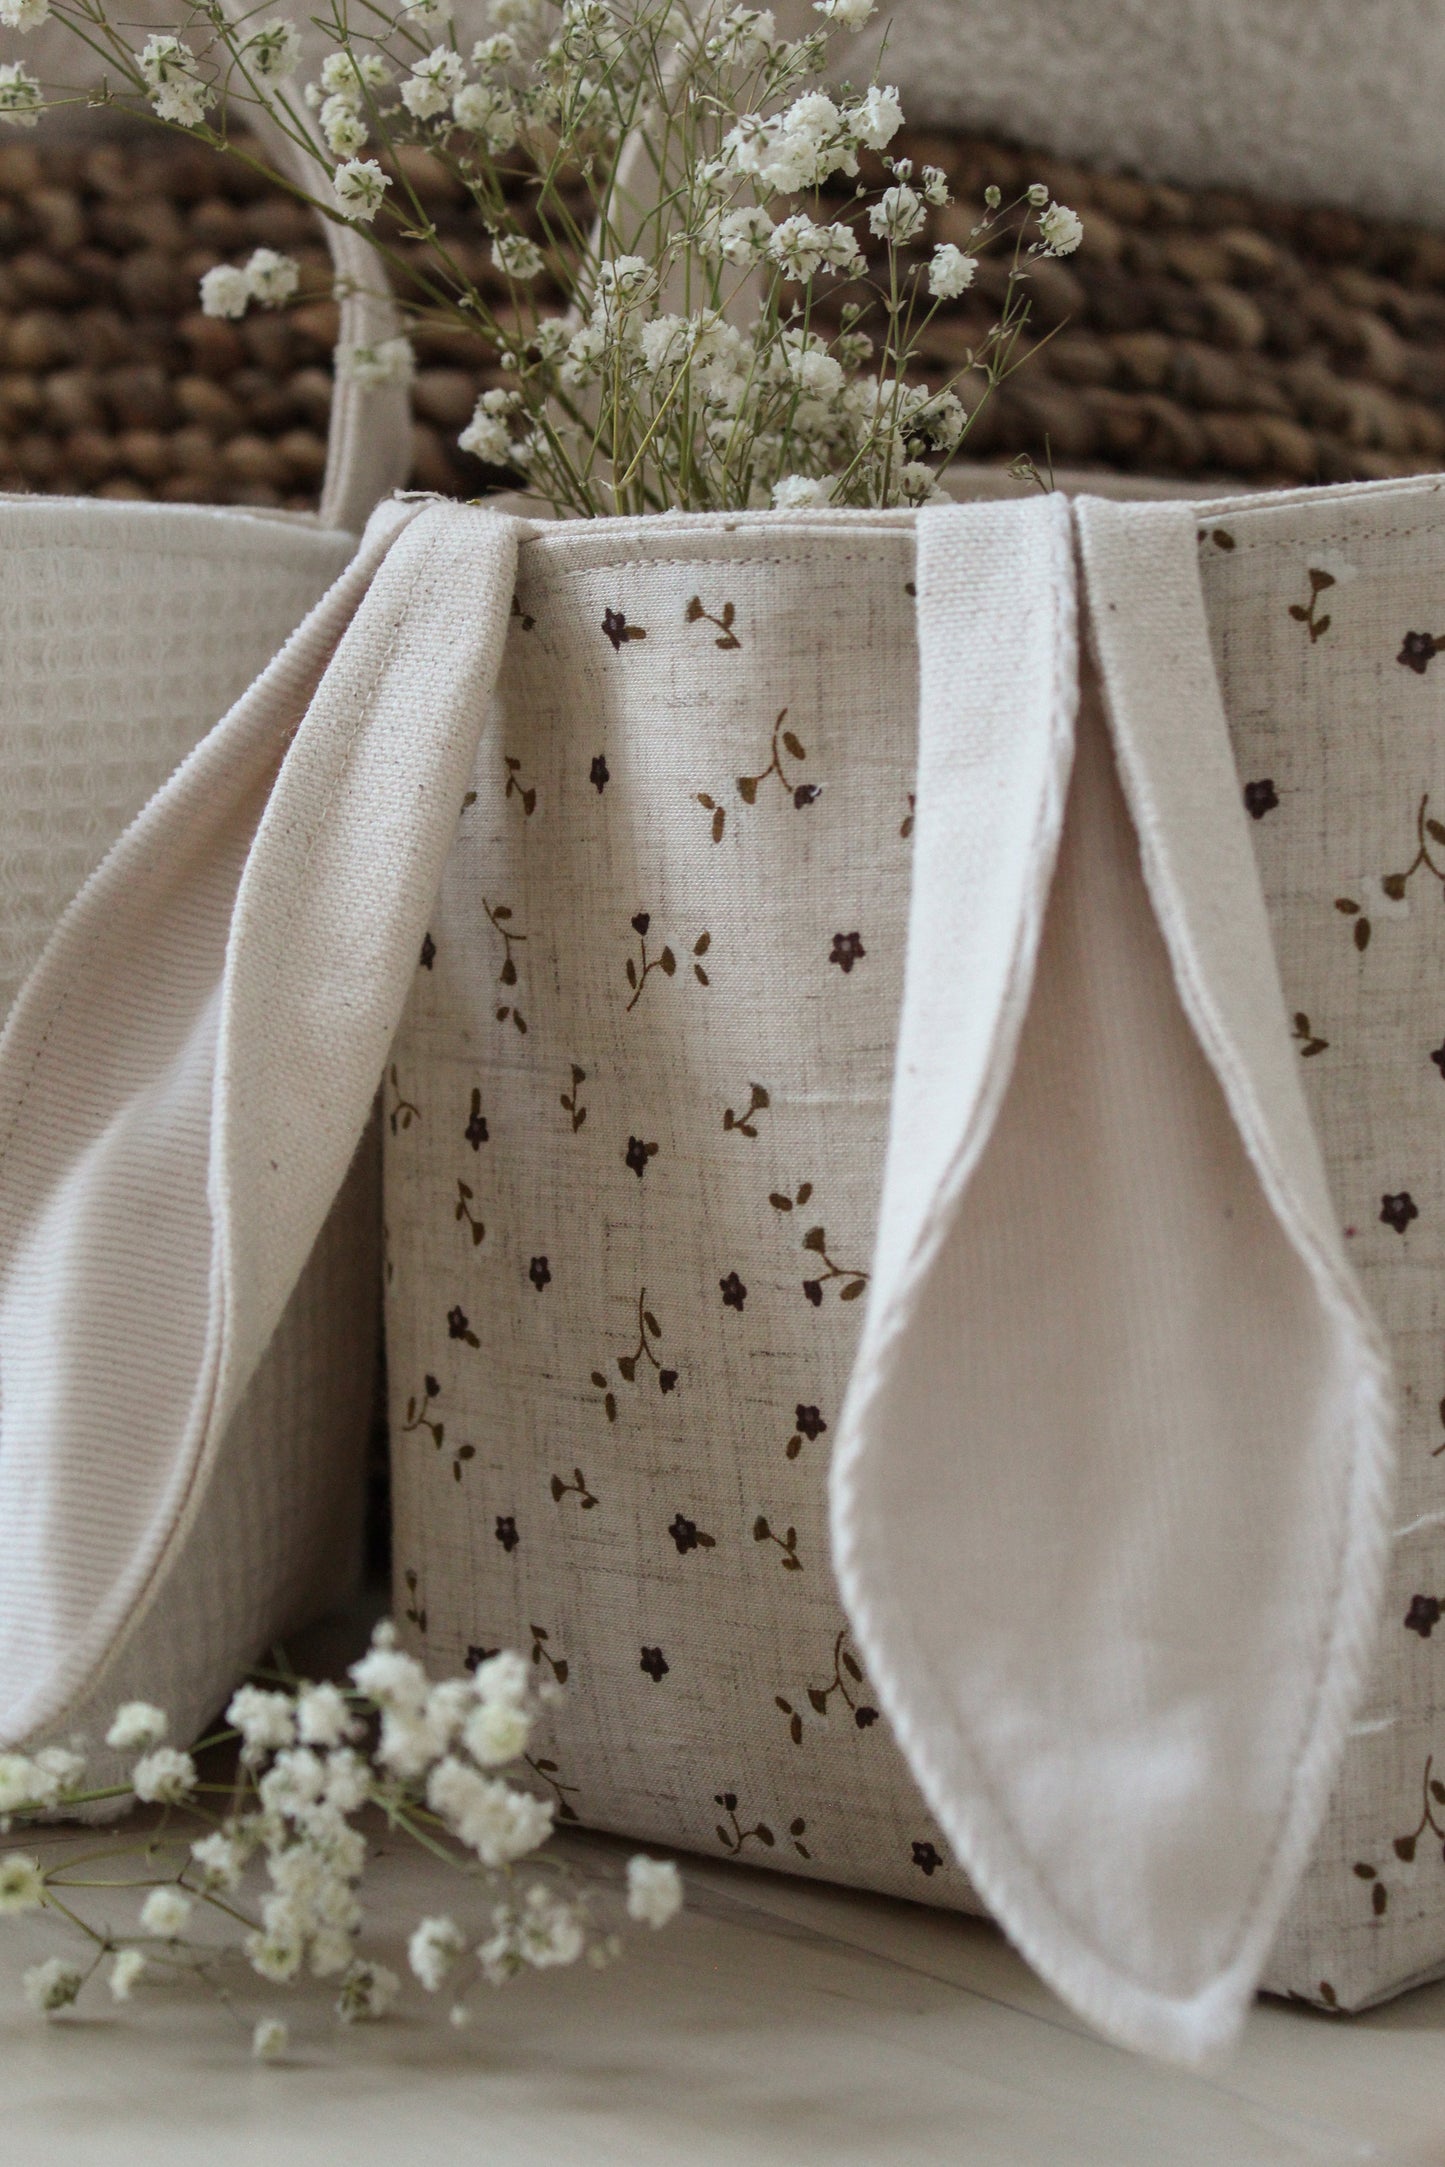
{"x":692,"y":372}
{"x":267,"y":277}
{"x":386,"y":361}
{"x":812,"y":140}
{"x":172,"y":74}
{"x":38,"y":1782}
{"x":21,"y":97}
{"x":312,"y":1757}
{"x":271,"y":51}
{"x":23,"y":14}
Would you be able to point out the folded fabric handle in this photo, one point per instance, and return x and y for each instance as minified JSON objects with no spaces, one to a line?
{"x":1109,"y":1500}
{"x":186,"y":1074}
{"x":1109,"y":1496}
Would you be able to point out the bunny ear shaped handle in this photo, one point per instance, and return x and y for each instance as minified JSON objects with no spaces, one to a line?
{"x":1110,"y":1497}
{"x":186,"y":1075}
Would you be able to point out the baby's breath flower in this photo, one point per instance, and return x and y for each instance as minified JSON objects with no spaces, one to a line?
{"x":166,"y":1913}
{"x":933,"y":183}
{"x":1037,"y":196}
{"x":428,"y":14}
{"x":22,"y":1884}
{"x":877,"y":118}
{"x":164,"y":1778}
{"x":23,"y":14}
{"x":359,"y":186}
{"x":491,"y":1818}
{"x":654,"y":1890}
{"x":1062,"y":230}
{"x":496,"y":1733}
{"x":846,"y":14}
{"x":800,"y":248}
{"x":276,"y":1954}
{"x":898,"y":215}
{"x":138,"y":1724}
{"x":489,"y":113}
{"x":429,"y":89}
{"x":433,"y":1950}
{"x":502,"y":1678}
{"x":272,"y":50}
{"x":225,"y":291}
{"x":171,"y":73}
{"x":516,"y":256}
{"x":498,"y":51}
{"x":350,"y":75}
{"x":951,"y":272}
{"x":270,"y":2039}
{"x":367,"y":1993}
{"x":738,"y":236}
{"x":800,"y":493}
{"x":24,"y":1783}
{"x":20,"y":95}
{"x":63,"y":1764}
{"x":266,"y":1721}
{"x":549,"y":1930}
{"x":342,"y":125}
{"x":323,"y":1717}
{"x":52,"y":1985}
{"x":125,"y":1974}
{"x":220,"y":1859}
{"x":387,"y":361}
{"x":918,"y":485}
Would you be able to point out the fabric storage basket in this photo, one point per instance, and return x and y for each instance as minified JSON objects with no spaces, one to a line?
{"x":635,"y":1132}
{"x":129,"y":629}
{"x":636,"y":1121}
{"x":848,"y":1015}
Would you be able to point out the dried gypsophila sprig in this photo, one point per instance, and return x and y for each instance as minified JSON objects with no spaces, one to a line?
{"x":689,"y":371}
{"x":278,"y":1860}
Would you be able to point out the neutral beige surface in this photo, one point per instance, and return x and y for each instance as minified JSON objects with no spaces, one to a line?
{"x":777,"y":2025}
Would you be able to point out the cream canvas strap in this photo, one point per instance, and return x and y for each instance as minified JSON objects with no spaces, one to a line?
{"x":1109,"y":1498}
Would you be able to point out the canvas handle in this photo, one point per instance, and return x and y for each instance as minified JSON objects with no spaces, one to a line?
{"x":188,"y":1069}
{"x":368,"y":446}
{"x":1109,"y":1501}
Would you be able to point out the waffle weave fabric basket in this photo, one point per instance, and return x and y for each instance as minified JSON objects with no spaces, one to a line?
{"x":848,"y":1017}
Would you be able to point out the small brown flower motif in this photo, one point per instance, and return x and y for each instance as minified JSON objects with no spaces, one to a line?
{"x":539,"y":1271}
{"x":637,"y":1155}
{"x":428,"y":953}
{"x":847,"y":950}
{"x":1423,"y":1615}
{"x":617,"y":629}
{"x":926,"y":1858}
{"x":1260,"y":798}
{"x":459,"y":1327}
{"x":507,"y":1534}
{"x":1319,"y":581}
{"x":1418,"y":650}
{"x":1398,"y":1211}
{"x":734,"y":1293}
{"x":1438,"y":1057}
{"x":689,"y":1536}
{"x":810,"y":1422}
{"x":601,"y":774}
{"x":476,"y":1131}
{"x":655,"y":1664}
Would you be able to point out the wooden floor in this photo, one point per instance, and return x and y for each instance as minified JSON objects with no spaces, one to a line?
{"x":777,"y":2025}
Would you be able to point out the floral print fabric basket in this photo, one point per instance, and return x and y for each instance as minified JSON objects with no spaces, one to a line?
{"x":636,"y":1121}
